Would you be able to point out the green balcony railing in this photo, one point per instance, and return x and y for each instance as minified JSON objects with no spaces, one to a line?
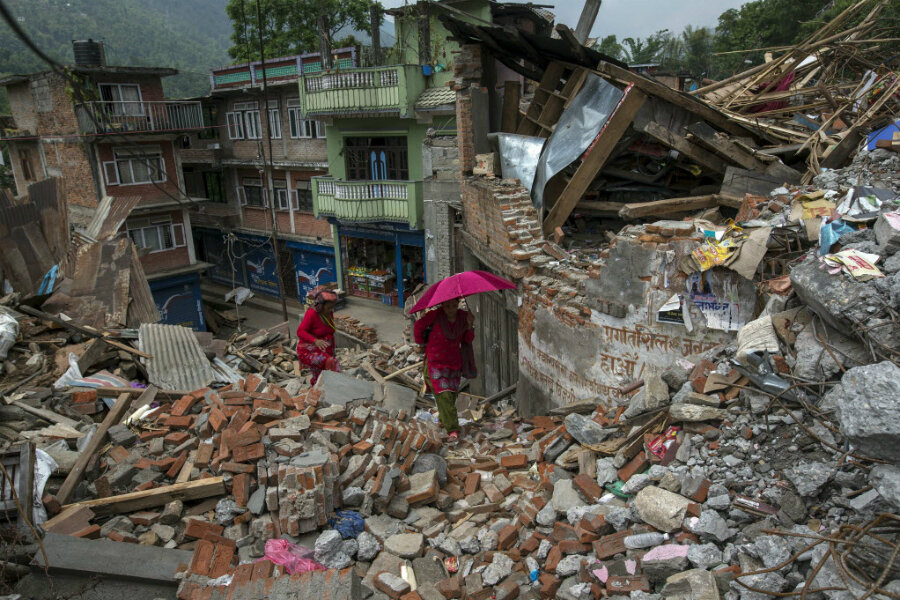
{"x":368,"y":201}
{"x":381,"y":90}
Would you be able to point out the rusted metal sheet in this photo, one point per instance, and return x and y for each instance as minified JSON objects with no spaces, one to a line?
{"x":110,"y":215}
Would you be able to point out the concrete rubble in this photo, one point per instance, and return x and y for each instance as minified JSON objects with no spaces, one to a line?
{"x":759,"y":460}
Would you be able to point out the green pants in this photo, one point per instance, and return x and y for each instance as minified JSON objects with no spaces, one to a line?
{"x":446,"y":403}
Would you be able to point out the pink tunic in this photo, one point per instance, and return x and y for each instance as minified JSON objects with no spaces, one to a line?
{"x":441,"y":352}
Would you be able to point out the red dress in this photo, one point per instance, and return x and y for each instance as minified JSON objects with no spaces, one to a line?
{"x":315,"y":326}
{"x":443,"y":352}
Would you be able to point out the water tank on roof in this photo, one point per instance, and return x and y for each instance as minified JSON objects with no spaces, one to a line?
{"x":88,"y":53}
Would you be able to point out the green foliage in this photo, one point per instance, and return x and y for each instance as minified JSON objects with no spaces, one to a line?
{"x":290,"y":26}
{"x":189,"y":36}
{"x":611,"y":47}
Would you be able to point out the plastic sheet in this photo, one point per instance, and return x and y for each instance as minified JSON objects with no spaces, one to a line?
{"x":576,"y":129}
{"x":348,"y":523}
{"x":44,"y":466}
{"x":519,"y":155}
{"x":829,"y":233}
{"x":294,"y":558}
{"x":72,"y":374}
{"x":9,"y":331}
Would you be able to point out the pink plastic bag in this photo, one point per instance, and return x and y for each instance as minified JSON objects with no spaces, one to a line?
{"x":294,"y":558}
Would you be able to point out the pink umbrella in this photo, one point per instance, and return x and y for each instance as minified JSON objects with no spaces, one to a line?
{"x":461,"y":285}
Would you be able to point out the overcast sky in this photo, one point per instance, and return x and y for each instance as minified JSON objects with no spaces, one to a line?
{"x":635,"y":18}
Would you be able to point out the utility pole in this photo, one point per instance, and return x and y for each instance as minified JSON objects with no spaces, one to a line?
{"x":267,"y":163}
{"x":375,"y":23}
{"x":586,"y":20}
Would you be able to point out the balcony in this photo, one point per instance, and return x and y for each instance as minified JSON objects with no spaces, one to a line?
{"x":138,"y":117}
{"x":368,"y":201}
{"x":379,"y":90}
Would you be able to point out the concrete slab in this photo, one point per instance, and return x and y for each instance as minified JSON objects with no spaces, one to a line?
{"x":399,"y":397}
{"x":115,"y":559}
{"x":339,"y":389}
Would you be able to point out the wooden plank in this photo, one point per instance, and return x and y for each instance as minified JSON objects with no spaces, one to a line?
{"x":509,"y":115}
{"x":706,"y":135}
{"x":47,"y":415}
{"x":737,"y":183}
{"x":185,"y":474}
{"x":115,"y":391}
{"x":71,"y":518}
{"x":681,"y":144}
{"x":88,"y":331}
{"x":374,"y":373}
{"x":660,"y":208}
{"x":93,"y":352}
{"x":404,"y":370}
{"x":125,"y":503}
{"x":689,"y":103}
{"x":597,"y":154}
{"x":97,"y":440}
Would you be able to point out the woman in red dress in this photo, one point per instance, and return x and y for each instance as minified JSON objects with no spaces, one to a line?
{"x":315,"y":348}
{"x":447,"y":335}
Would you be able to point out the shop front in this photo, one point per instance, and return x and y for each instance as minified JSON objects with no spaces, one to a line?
{"x":260,"y":265}
{"x":227,"y":268}
{"x":382,"y":263}
{"x":313,"y":265}
{"x":179,"y":301}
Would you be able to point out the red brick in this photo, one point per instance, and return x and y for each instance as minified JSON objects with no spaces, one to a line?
{"x":450,"y":587}
{"x":144,"y":518}
{"x":203,"y":556}
{"x":176,"y":466}
{"x":702,"y":491}
{"x":362,"y":447}
{"x":553,"y":557}
{"x":262,"y":570}
{"x":493,"y":494}
{"x":612,"y":544}
{"x":216,"y":419}
{"x":507,"y":537}
{"x":514,"y":461}
{"x":51,"y":504}
{"x":91,"y":532}
{"x":473,"y":480}
{"x":233,"y":467}
{"x":549,"y":585}
{"x":588,"y":486}
{"x":84,"y":397}
{"x":117,"y":454}
{"x":204,"y":454}
{"x":248,"y":453}
{"x":240,"y":488}
{"x":182,"y":421}
{"x":221,"y":564}
{"x":178,"y":437}
{"x":563,"y":531}
{"x":200,"y":529}
{"x":636,"y":465}
{"x":573,"y":547}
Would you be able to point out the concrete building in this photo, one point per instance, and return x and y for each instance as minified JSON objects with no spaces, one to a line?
{"x":233,"y":228}
{"x":109,"y":131}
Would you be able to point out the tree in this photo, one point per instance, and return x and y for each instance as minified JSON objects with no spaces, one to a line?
{"x":654,"y":49}
{"x":291,"y":26}
{"x":610,"y":47}
{"x":697,"y":47}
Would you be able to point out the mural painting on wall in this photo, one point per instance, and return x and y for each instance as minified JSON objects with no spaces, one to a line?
{"x":261,"y":271}
{"x":313,"y":269}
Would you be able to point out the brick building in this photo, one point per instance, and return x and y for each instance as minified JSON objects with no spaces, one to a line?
{"x":233,"y":228}
{"x":109,"y":132}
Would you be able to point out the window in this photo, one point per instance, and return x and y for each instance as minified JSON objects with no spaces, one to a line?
{"x":243,"y":121}
{"x":156,"y":234}
{"x":122,"y":98}
{"x":300,"y":127}
{"x":302,"y":197}
{"x":135,"y":165}
{"x":275,"y":123}
{"x":250,"y":192}
{"x":235,"y":126}
{"x":376,"y":158}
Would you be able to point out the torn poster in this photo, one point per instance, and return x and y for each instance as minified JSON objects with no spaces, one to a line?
{"x":671,"y":311}
{"x":722,"y":297}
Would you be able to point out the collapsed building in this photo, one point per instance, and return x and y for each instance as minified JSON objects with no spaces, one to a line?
{"x":691,"y":394}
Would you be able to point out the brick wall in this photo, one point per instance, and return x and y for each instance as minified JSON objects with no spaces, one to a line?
{"x":498,"y":214}
{"x":166,"y":259}
{"x":150,"y":193}
{"x":467,"y":74}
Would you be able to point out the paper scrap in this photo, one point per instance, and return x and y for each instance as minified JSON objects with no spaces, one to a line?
{"x":756,"y":336}
{"x":861,"y":265}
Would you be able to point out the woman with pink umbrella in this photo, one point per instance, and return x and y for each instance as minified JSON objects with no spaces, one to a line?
{"x":447,"y":334}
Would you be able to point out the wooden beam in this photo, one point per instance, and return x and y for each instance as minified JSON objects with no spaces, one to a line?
{"x":681,"y":144}
{"x":404,"y":370}
{"x":125,"y":503}
{"x":509,"y":119}
{"x":596,"y":156}
{"x":373,"y":372}
{"x":660,"y":208}
{"x":97,"y":440}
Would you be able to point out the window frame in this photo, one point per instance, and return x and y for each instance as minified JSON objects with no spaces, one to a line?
{"x":275,"y":123}
{"x":120,"y":161}
{"x":235,"y":124}
{"x":251,"y":182}
{"x":295,"y":197}
{"x":113,"y":104}
{"x":170,"y":236}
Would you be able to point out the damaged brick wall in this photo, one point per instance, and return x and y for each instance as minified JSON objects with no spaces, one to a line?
{"x":586,"y":332}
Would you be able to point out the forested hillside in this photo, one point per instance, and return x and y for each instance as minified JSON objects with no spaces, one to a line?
{"x":190,"y":36}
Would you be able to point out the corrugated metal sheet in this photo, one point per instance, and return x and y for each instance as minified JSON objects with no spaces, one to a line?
{"x":110,"y":215}
{"x":178,"y":362}
{"x":142,"y":308}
